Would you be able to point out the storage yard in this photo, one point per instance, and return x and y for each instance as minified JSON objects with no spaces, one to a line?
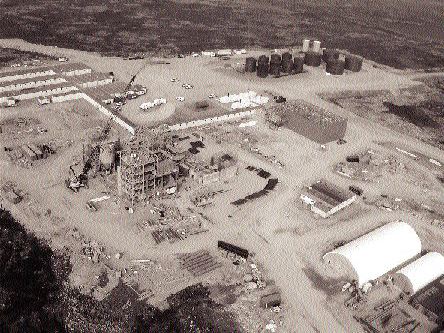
{"x":256,"y":185}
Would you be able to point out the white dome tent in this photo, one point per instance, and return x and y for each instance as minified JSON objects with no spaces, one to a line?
{"x":376,"y":253}
{"x":420,"y":272}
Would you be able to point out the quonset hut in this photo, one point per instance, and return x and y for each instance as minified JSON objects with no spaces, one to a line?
{"x":375,"y":253}
{"x":420,"y":272}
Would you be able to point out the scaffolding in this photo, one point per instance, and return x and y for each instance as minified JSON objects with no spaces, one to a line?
{"x":142,"y":174}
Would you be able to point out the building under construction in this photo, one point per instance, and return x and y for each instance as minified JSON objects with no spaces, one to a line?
{"x":145,"y":173}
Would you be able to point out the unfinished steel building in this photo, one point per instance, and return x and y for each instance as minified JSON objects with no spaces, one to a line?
{"x":142,"y":174}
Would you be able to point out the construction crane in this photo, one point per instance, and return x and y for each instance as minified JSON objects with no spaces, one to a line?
{"x":146,"y":63}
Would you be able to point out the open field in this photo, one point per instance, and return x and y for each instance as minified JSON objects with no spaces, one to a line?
{"x":402,"y":34}
{"x":288,"y":240}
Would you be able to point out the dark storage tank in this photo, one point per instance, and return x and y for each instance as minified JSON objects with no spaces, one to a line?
{"x":275,"y":69}
{"x":298,"y":64}
{"x":287,"y":62}
{"x":287,"y":66}
{"x":335,"y":67}
{"x":262,"y":70}
{"x":353,"y":63}
{"x":262,"y":66}
{"x":313,"y":59}
{"x":263,"y":59}
{"x":275,"y":58}
{"x":250,"y":65}
{"x":286,"y":56}
{"x":329,"y":54}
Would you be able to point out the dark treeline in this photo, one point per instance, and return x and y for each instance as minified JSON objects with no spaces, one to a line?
{"x":35,"y":296}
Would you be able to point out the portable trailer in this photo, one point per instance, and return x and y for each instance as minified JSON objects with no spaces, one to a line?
{"x":233,"y":249}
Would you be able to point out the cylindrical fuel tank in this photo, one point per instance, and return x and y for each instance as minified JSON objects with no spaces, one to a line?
{"x":329,"y":54}
{"x":316,"y":46}
{"x":313,"y":59}
{"x":275,"y":58}
{"x":250,"y":65}
{"x":335,"y":67}
{"x":298,"y":63}
{"x":275,"y":69}
{"x":353,"y":63}
{"x":305,"y":45}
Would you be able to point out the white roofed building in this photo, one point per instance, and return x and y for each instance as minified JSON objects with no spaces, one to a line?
{"x":375,"y":253}
{"x":420,"y":272}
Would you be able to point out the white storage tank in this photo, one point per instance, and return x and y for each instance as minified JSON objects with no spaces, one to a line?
{"x":316,"y":46}
{"x":305,"y":45}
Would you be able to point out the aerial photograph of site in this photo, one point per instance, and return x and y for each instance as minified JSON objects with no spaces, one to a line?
{"x":220,"y":166}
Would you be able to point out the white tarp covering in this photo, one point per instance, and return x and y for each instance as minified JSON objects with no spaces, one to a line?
{"x":376,"y":253}
{"x":149,"y":105}
{"x":249,"y":99}
{"x":423,"y":271}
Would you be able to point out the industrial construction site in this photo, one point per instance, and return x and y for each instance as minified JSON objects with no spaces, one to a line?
{"x":289,"y":190}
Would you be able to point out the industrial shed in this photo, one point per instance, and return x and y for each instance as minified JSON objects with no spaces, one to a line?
{"x":325,"y":198}
{"x":420,"y":273}
{"x":375,"y":253}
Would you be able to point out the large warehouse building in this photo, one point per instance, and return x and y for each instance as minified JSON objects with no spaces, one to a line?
{"x":376,"y":253}
{"x":325,"y":198}
{"x":311,"y":121}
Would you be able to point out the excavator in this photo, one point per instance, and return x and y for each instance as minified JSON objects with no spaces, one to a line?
{"x":76,"y":181}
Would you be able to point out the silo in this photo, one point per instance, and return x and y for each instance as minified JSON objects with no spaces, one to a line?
{"x":287,"y":62}
{"x":298,"y":64}
{"x":313,"y":59}
{"x":275,"y":58}
{"x":353,"y":63}
{"x":329,"y":54}
{"x":316,"y":46}
{"x":305,"y":45}
{"x":275,"y":69}
{"x":335,"y":67}
{"x":263,"y":59}
{"x":262,"y":66}
{"x":250,"y":65}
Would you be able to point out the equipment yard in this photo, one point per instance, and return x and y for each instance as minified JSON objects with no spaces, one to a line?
{"x":246,"y":190}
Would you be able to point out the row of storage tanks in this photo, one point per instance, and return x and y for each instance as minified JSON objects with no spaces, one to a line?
{"x":287,"y":63}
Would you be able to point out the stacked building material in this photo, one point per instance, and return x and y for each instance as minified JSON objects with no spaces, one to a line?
{"x":298,"y":63}
{"x":199,"y":262}
{"x":287,"y":62}
{"x":313,"y":59}
{"x":353,"y":63}
{"x":250,"y":65}
{"x":275,"y":64}
{"x":329,"y":54}
{"x":263,"y":66}
{"x":165,"y":234}
{"x":335,"y":67}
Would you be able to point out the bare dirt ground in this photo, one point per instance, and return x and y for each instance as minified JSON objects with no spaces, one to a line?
{"x":286,"y":238}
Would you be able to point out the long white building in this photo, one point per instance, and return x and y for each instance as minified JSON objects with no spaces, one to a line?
{"x":376,"y":253}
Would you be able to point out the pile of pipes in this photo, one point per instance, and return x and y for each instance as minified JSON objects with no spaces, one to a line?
{"x":149,"y":105}
{"x":244,"y":100}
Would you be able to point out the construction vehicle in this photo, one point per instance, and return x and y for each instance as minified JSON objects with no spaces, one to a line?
{"x":76,"y":181}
